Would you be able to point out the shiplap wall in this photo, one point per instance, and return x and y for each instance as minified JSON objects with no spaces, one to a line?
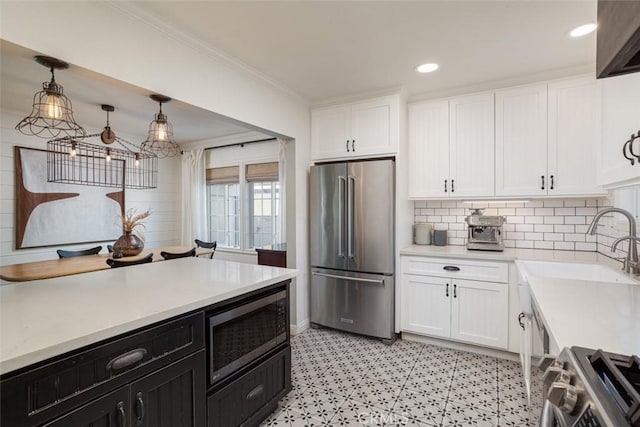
{"x":162,"y":227}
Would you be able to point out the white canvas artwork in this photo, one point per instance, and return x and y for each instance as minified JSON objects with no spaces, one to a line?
{"x":50,"y":213}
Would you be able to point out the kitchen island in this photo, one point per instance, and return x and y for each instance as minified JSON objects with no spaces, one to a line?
{"x":131,"y":322}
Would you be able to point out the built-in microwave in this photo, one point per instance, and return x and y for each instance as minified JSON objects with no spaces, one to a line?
{"x":241,"y":334}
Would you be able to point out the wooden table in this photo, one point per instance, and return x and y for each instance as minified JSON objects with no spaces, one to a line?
{"x":76,"y":265}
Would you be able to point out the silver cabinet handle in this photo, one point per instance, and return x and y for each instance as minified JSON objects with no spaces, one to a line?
{"x":353,"y":279}
{"x":127,"y":359}
{"x":122,"y":416}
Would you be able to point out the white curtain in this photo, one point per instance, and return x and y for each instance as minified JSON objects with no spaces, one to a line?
{"x":281,"y":231}
{"x":194,"y":190}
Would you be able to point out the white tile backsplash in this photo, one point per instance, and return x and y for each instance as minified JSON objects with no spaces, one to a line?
{"x":540,"y":224}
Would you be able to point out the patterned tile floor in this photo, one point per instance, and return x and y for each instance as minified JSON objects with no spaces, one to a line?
{"x":346,"y":380}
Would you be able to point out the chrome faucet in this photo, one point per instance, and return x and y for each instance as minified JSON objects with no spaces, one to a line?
{"x":631,"y":263}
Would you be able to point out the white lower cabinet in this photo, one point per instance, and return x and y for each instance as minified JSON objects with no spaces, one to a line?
{"x":442,"y":304}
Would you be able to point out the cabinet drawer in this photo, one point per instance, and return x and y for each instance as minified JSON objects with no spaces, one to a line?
{"x":39,"y":395}
{"x":487,"y":271}
{"x":251,"y":397}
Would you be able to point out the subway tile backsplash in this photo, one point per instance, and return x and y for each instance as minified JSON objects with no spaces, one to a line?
{"x":559,"y":224}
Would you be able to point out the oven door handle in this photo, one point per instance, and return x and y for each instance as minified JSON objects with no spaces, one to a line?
{"x":233,"y":313}
{"x":353,"y":279}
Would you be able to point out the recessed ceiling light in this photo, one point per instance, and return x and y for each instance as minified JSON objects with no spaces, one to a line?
{"x":583,"y":30}
{"x":427,"y":68}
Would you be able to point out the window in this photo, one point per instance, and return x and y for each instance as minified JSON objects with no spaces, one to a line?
{"x":264,"y":204}
{"x":223,"y":195}
{"x":224,"y":217}
{"x":244,"y":216}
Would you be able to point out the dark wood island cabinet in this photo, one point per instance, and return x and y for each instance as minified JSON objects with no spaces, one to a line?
{"x":159,"y":375}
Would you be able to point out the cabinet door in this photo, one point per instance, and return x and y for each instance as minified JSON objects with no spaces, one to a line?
{"x":521,"y":141}
{"x":472,"y":151}
{"x":374,"y":127}
{"x":111,"y":410}
{"x":426,"y":305}
{"x":480,"y":312}
{"x":429,"y":149}
{"x":174,"y":396}
{"x":573,"y":137}
{"x":330,"y":130}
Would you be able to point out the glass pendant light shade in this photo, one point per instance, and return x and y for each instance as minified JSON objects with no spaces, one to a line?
{"x":52,"y":114}
{"x":160,"y":136}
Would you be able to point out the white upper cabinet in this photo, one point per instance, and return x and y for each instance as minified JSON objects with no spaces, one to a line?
{"x":471,"y":137}
{"x":366,"y":128}
{"x":428,"y":149}
{"x":521,"y":141}
{"x":451,"y":147}
{"x":573,"y":137}
{"x":547,"y":139}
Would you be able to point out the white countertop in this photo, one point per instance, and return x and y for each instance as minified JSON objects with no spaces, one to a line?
{"x":589,"y":314}
{"x":509,"y":254}
{"x":44,"y":318}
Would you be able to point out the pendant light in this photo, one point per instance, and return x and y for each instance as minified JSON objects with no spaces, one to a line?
{"x":160,"y":138}
{"x":52,"y":115}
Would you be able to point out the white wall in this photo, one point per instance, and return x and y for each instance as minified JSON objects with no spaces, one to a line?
{"x":104,"y":38}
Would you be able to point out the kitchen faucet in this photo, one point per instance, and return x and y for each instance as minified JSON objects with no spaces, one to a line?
{"x":631,"y":263}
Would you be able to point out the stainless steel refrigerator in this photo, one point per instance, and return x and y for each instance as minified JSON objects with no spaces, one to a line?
{"x":352,"y":246}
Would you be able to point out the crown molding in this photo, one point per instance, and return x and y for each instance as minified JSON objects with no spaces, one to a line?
{"x":135,"y":12}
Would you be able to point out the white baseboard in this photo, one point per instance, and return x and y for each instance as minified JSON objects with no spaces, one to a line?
{"x":502,"y":354}
{"x":300,"y":327}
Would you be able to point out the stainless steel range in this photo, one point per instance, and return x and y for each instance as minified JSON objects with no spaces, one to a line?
{"x":584,"y":387}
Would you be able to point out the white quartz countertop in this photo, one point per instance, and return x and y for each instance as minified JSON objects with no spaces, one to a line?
{"x":589,"y":314}
{"x":45,"y":318}
{"x":509,"y":254}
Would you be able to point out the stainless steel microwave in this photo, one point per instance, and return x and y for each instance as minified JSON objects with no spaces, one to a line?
{"x":241,"y":334}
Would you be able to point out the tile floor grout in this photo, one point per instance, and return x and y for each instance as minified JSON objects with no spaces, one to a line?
{"x":341,"y":379}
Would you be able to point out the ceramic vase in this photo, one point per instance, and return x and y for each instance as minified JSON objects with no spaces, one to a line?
{"x":127,"y":245}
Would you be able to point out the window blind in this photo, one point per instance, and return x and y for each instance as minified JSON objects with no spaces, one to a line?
{"x":262,"y":172}
{"x":226,"y":175}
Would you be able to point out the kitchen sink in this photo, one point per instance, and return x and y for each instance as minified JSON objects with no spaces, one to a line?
{"x":571,"y":270}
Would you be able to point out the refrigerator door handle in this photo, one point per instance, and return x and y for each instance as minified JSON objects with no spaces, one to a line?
{"x":354,"y":279}
{"x":350,"y":212}
{"x":342,"y":186}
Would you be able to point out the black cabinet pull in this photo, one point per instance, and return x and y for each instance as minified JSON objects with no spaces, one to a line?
{"x":447,"y":291}
{"x":454,"y":290}
{"x":551,"y":188}
{"x":629,"y":144}
{"x":257,"y":391}
{"x":542,"y":176}
{"x":452,"y":187}
{"x":122,"y":416}
{"x":353,"y":145}
{"x":451,"y":268}
{"x":139,"y":409}
{"x":127,"y":359}
{"x":445,"y":185}
{"x":348,"y":146}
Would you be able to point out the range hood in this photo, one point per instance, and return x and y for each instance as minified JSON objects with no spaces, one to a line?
{"x":618,"y":46}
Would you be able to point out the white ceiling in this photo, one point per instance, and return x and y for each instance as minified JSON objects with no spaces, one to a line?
{"x":21,"y":77}
{"x":327,"y":49}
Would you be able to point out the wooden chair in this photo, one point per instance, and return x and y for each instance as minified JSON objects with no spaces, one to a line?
{"x":174,"y":255}
{"x":70,"y":254}
{"x":116,"y":263}
{"x":110,"y":248}
{"x":207,"y":245}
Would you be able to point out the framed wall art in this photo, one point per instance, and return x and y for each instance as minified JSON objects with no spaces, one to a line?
{"x":55,"y":214}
